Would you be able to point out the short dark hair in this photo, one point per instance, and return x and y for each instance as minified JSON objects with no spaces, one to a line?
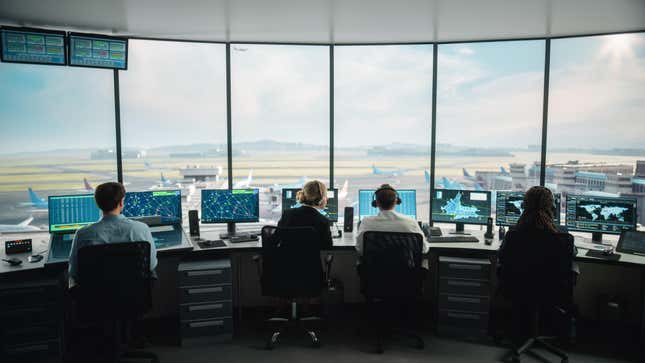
{"x":386,"y":196}
{"x":108,"y":195}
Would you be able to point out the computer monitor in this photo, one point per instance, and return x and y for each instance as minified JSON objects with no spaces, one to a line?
{"x":598,"y":215}
{"x":509,"y":208}
{"x":154,"y":207}
{"x":407,"y":207}
{"x":461,"y":207}
{"x":68,"y":213}
{"x":230,"y":206}
{"x":98,"y":51}
{"x":331,"y":211}
{"x":28,"y":45}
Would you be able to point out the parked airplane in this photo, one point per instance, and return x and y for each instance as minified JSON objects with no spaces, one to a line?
{"x":391,"y":172}
{"x":467,"y":174}
{"x":20,"y":227}
{"x":36,"y":201}
{"x":504,"y":172}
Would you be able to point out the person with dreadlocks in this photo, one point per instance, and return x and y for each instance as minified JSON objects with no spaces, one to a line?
{"x":533,"y":255}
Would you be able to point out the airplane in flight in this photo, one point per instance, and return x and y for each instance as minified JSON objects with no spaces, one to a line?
{"x":20,"y":227}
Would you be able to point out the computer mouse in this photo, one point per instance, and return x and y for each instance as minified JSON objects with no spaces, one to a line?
{"x":13,"y":261}
{"x":35,"y":258}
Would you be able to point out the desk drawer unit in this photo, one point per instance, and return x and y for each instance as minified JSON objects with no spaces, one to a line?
{"x":463,"y":296}
{"x":205,"y":298}
{"x":32,"y":322}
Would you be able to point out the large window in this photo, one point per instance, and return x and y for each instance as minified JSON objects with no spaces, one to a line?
{"x":489,"y":115}
{"x":596,"y":123}
{"x":173,"y":117}
{"x":383,"y":103}
{"x":280,"y":117}
{"x":57,"y":138}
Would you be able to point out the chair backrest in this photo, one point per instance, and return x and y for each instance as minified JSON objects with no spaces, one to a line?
{"x":114,"y":280}
{"x":291,"y":266}
{"x":537,"y":267}
{"x":391,"y":264}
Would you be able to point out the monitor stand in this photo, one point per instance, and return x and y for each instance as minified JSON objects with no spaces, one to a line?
{"x":230,"y":227}
{"x":459,"y":230}
{"x":596,"y":237}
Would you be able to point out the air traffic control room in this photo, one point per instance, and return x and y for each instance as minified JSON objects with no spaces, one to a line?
{"x":315,"y":181}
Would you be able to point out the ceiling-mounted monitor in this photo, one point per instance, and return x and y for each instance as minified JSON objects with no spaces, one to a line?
{"x":98,"y":51}
{"x":29,"y":45}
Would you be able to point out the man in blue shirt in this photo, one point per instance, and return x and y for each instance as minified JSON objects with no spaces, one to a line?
{"x":112,"y":228}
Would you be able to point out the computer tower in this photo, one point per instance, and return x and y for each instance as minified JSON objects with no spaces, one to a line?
{"x":348,"y":222}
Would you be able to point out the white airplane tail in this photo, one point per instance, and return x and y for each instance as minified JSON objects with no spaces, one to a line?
{"x":26,"y":222}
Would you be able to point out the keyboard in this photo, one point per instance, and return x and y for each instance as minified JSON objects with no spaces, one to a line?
{"x":240,"y":239}
{"x":449,"y":239}
{"x":211,"y":243}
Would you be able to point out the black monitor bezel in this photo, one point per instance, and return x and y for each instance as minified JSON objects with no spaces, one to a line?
{"x":284,"y":190}
{"x":397,"y":190}
{"x":99,"y":36}
{"x":490,"y":207}
{"x":201,"y":218}
{"x":556,"y":196}
{"x":37,"y":30}
{"x":49,"y":215}
{"x":621,"y":240}
{"x":574,"y":229}
{"x":181,"y":217}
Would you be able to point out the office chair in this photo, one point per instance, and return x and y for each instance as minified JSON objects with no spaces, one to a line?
{"x":291,"y":269}
{"x":114,"y":290}
{"x":537,"y":276}
{"x":392,"y":277}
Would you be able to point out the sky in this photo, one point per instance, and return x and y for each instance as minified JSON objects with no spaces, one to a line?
{"x":489,"y":95}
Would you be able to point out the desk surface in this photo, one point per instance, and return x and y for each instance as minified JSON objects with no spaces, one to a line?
{"x":345,"y":243}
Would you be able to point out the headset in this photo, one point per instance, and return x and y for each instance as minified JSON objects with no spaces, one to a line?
{"x":385,"y":187}
{"x":317,"y":201}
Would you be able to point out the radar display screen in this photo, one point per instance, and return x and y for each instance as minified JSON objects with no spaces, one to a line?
{"x":289,"y":201}
{"x":509,"y":208}
{"x":461,"y":206}
{"x":224,"y":206}
{"x":164,"y":204}
{"x":587,"y":213}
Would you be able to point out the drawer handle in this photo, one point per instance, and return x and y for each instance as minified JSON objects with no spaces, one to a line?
{"x":31,"y":348}
{"x":464,"y":316}
{"x":204,"y":290}
{"x":205,"y":307}
{"x":464,"y":267}
{"x":204,"y":273}
{"x":464,"y":299}
{"x":464,"y":283}
{"x":203,"y":324}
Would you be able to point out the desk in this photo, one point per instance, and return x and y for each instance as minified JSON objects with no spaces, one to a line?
{"x":190,"y":250}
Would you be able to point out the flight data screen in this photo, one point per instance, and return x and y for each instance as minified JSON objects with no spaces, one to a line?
{"x":289,"y":200}
{"x":461,"y":206}
{"x":407,"y":207}
{"x":237,"y":205}
{"x":71,"y":212}
{"x":600,"y":214}
{"x":102,"y":52}
{"x":509,"y":208}
{"x":26,"y":46}
{"x":164,"y":204}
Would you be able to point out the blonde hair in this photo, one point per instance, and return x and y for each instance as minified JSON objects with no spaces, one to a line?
{"x":312,"y":193}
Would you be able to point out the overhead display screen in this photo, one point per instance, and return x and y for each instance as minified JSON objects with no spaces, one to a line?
{"x":87,"y":50}
{"x":25,"y":45}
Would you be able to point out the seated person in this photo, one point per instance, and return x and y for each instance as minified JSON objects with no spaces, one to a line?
{"x":112,"y":228}
{"x":387,"y":220}
{"x":534,"y":257}
{"x":313,"y":199}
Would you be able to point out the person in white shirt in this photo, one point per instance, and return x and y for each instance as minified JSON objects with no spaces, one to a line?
{"x":388,"y":220}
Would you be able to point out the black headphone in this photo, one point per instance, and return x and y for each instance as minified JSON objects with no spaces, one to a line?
{"x":385,"y":187}
{"x":317,"y":201}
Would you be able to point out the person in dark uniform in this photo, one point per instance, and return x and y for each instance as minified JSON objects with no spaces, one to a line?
{"x":313,"y":199}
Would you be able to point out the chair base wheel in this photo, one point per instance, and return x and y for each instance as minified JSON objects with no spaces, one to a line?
{"x":272,"y":341}
{"x":314,"y":339}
